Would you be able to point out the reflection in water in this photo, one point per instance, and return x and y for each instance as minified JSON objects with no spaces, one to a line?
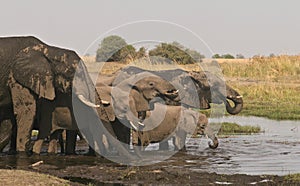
{"x":276,"y":151}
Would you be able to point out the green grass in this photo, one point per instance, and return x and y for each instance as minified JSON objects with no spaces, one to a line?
{"x":293,"y":177}
{"x":233,"y":128}
{"x":277,"y":102}
{"x":270,"y":86}
{"x":227,"y":128}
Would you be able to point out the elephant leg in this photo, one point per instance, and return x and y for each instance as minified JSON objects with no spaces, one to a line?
{"x":136,"y":143}
{"x":179,"y":140}
{"x":122,"y":132}
{"x":24,"y":106}
{"x":54,"y":138}
{"x":61,"y":143}
{"x":164,"y":145}
{"x":13,"y":139}
{"x":37,"y":146}
{"x":5,"y":133}
{"x":71,"y":136}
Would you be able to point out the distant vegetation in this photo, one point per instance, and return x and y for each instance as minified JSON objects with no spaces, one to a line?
{"x":224,"y":56}
{"x":115,"y":48}
{"x":270,"y":85}
{"x":233,"y":128}
{"x":176,"y":53}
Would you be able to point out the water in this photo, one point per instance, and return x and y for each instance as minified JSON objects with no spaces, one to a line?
{"x":276,"y":151}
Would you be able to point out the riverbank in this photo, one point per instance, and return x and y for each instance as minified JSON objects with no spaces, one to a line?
{"x":98,"y":172}
{"x":270,"y":86}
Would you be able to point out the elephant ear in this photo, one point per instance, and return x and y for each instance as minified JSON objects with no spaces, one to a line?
{"x":105,"y":95}
{"x":33,"y":70}
{"x":140,"y":102}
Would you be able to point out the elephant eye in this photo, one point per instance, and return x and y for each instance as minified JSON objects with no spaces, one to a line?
{"x":151,"y":84}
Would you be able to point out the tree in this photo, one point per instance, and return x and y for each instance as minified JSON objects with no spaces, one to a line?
{"x":176,"y":53}
{"x":228,"y":56}
{"x":109,"y":46}
{"x":126,"y":53}
{"x":216,"y":56}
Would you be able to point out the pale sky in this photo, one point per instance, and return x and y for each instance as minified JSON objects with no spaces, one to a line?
{"x":232,"y":26}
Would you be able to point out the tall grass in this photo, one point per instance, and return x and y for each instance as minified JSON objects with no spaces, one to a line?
{"x":266,"y":68}
{"x":270,"y":86}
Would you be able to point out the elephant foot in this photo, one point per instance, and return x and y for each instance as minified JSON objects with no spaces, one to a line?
{"x":137,"y":150}
{"x":91,"y":152}
{"x":12,"y":152}
{"x":164,"y":145}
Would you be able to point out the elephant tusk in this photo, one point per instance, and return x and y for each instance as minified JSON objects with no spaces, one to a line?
{"x":105,"y":102}
{"x":88,"y":103}
{"x":239,"y":97}
{"x":131,"y":123}
{"x":142,"y":124}
{"x":172,"y":93}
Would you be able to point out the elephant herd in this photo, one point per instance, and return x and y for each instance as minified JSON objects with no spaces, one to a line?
{"x":48,"y":88}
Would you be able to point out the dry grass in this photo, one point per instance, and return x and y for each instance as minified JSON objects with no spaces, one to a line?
{"x":270,"y":86}
{"x":21,"y":178}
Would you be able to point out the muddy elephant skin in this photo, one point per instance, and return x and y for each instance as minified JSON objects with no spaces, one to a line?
{"x":32,"y":70}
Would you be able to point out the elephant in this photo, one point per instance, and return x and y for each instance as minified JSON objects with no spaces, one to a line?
{"x":32,"y":70}
{"x":7,"y":127}
{"x":166,"y":121}
{"x":197,"y":89}
{"x":147,"y":88}
{"x":61,"y":119}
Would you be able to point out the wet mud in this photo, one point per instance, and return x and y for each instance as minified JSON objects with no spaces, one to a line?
{"x":260,"y":159}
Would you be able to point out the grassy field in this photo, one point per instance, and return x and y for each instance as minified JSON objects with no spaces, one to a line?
{"x":270,"y":86}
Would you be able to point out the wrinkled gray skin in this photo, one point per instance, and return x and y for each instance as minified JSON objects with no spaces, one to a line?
{"x":32,"y":70}
{"x":134,"y":95}
{"x":146,"y":89}
{"x":196,"y":89}
{"x":167,"y":121}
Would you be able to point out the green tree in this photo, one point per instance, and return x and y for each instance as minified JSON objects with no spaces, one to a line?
{"x":109,"y":46}
{"x":126,"y":53}
{"x":228,"y":56}
{"x":175,"y":52}
{"x":216,"y":56}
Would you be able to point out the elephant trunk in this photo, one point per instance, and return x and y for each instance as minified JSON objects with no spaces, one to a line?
{"x":215,"y":141}
{"x":237,"y":100}
{"x":112,"y":137}
{"x":211,"y":135}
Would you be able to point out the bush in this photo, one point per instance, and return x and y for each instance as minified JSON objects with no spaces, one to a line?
{"x":176,"y":53}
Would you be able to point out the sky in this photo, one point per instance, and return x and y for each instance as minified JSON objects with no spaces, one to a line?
{"x":256,"y":27}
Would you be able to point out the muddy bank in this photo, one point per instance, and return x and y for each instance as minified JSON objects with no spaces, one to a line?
{"x":176,"y":170}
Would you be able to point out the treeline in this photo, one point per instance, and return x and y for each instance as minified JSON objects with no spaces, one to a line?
{"x":115,"y":48}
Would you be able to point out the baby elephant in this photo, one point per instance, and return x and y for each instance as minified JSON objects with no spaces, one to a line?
{"x":167,"y":121}
{"x":61,"y":119}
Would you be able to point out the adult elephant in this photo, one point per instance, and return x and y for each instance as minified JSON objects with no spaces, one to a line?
{"x":146,"y":88}
{"x":32,"y":70}
{"x":196,"y":89}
